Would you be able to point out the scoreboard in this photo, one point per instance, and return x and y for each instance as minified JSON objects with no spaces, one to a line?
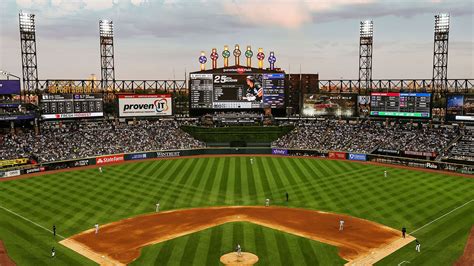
{"x":395,"y":104}
{"x":237,"y":90}
{"x":58,"y":106}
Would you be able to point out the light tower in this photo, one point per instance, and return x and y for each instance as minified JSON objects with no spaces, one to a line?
{"x":365,"y":53}
{"x":107,"y":67}
{"x":28,"y":53}
{"x":440,"y":55}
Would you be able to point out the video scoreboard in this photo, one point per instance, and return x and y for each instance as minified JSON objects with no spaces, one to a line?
{"x":395,"y":104}
{"x":237,"y":90}
{"x":58,"y":106}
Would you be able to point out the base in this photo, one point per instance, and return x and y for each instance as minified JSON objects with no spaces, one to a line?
{"x":245,"y":259}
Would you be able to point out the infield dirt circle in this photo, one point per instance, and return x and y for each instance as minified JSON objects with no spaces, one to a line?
{"x":120,"y":242}
{"x":233,"y":259}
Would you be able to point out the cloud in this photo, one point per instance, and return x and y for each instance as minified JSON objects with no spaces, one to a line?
{"x":286,"y":13}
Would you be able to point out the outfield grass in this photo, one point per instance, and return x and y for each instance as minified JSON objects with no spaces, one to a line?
{"x":76,"y":200}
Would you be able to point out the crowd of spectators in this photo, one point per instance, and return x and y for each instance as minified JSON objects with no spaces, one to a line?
{"x":80,"y":140}
{"x":463,"y":149}
{"x":366,"y":136}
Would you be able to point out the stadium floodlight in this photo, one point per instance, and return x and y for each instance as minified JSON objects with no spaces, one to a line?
{"x":442,"y":23}
{"x":27,"y":22}
{"x":367,"y":28}
{"x":8,"y":74}
{"x":106,"y":28}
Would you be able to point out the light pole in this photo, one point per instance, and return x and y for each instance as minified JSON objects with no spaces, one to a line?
{"x":8,"y":74}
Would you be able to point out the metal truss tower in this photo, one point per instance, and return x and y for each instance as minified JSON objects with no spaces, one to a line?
{"x":440,"y":54}
{"x":365,"y":53}
{"x":107,"y":67}
{"x":28,"y":53}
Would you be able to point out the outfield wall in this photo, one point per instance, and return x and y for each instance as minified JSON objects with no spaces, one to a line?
{"x":335,"y":155}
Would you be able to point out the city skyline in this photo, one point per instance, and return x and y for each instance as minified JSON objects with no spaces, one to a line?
{"x":154,"y":41}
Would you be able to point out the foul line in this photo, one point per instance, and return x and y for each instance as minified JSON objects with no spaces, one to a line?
{"x":442,"y":216}
{"x":26,"y":219}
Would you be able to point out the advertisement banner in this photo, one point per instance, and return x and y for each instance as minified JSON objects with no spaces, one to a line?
{"x":9,"y":87}
{"x":13,"y":162}
{"x":357,"y":157}
{"x":81,"y":162}
{"x":279,"y":152}
{"x":145,"y":105}
{"x":329,"y":105}
{"x":337,"y":155}
{"x":388,"y":151}
{"x":109,"y":159}
{"x":420,"y":153}
{"x":11,"y":173}
{"x":34,"y":170}
{"x":137,"y":156}
{"x":168,"y":154}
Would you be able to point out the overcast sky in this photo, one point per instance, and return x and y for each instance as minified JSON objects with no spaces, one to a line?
{"x":159,"y":39}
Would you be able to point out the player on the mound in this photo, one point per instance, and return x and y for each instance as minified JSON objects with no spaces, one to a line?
{"x":239,"y":250}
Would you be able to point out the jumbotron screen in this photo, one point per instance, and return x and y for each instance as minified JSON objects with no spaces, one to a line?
{"x":237,"y":91}
{"x":56,"y":106}
{"x":340,"y":105}
{"x":460,"y":107}
{"x":396,"y":104}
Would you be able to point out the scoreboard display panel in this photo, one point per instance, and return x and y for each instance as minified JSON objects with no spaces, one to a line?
{"x":237,"y":90}
{"x":460,"y":107}
{"x":58,"y":106}
{"x":396,"y":104}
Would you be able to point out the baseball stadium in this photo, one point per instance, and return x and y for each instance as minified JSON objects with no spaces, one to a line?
{"x":241,"y":162}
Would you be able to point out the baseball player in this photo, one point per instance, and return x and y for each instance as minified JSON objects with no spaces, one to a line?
{"x":404,"y":230}
{"x":267,"y":202}
{"x":251,"y":160}
{"x":100,"y":169}
{"x":418,"y":245}
{"x":287,"y":196}
{"x":341,"y":225}
{"x":239,"y":250}
{"x":53,"y":252}
{"x":96,"y":228}
{"x":54,"y":230}
{"x":385,"y":173}
{"x":157,"y":207}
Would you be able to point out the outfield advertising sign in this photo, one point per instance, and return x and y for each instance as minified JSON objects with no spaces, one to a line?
{"x":137,"y":156}
{"x":11,"y":173}
{"x":145,"y":105}
{"x":279,"y":152}
{"x":357,"y":157}
{"x":168,"y":154}
{"x":109,"y":159}
{"x":337,"y":155}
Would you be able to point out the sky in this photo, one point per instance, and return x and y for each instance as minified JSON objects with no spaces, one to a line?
{"x":161,"y":39}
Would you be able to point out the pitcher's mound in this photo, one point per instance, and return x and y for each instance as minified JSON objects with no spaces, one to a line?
{"x":245,"y":259}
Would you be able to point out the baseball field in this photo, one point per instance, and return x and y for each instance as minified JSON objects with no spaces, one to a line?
{"x":436,"y":208}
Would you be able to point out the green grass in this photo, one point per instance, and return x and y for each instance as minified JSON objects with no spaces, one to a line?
{"x":76,"y":200}
{"x":249,"y":134}
{"x":273,"y":247}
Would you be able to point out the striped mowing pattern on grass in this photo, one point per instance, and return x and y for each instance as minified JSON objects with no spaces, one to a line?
{"x":74,"y":201}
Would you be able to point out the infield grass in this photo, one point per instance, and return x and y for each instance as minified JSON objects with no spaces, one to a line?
{"x":74,"y":201}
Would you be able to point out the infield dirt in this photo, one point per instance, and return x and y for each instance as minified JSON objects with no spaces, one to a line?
{"x":4,"y":259}
{"x":120,"y":242}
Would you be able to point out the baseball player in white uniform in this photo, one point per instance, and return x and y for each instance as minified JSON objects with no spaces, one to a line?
{"x":341,"y":225}
{"x":385,"y":173}
{"x":418,"y":245}
{"x":239,"y":250}
{"x":251,"y":160}
{"x":53,"y":252}
{"x":267,"y":202}
{"x":100,"y":169}
{"x":96,"y":228}
{"x":157,"y":207}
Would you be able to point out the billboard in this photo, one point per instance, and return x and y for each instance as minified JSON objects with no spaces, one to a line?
{"x":109,"y":159}
{"x":460,"y":107}
{"x":239,"y":90}
{"x":279,"y":152}
{"x":60,"y":106}
{"x":396,"y":104}
{"x":144,"y":105}
{"x":9,"y":87}
{"x":357,"y":157}
{"x":363,"y":105}
{"x":329,"y":105}
{"x":337,"y":155}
